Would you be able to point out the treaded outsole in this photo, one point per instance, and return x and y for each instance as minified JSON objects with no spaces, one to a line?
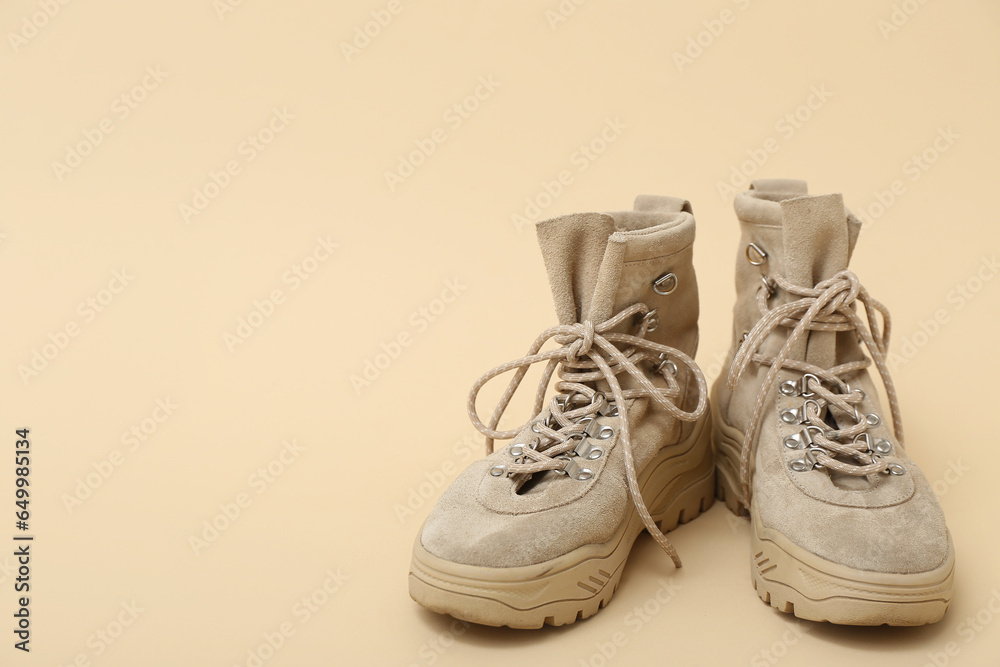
{"x":844,"y":601}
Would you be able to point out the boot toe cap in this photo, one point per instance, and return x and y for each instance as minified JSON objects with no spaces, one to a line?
{"x":463,"y":529}
{"x":905,"y":538}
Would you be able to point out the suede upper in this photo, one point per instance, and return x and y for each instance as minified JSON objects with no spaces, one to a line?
{"x":598,"y":264}
{"x":881,"y":523}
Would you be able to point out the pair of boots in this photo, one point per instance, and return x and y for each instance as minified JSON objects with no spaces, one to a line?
{"x":843,"y":525}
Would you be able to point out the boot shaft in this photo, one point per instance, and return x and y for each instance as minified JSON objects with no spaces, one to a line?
{"x":600,"y":263}
{"x":804,"y":238}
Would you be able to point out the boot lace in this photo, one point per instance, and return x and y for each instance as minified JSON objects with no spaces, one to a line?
{"x":829,"y":306}
{"x":590,"y":352}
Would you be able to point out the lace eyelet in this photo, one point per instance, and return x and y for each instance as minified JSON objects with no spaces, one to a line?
{"x":809,"y":461}
{"x":769,"y":286}
{"x":586,"y":449}
{"x":516,"y":450}
{"x":653,"y":320}
{"x":610,"y":409}
{"x":665,"y":284}
{"x":802,"y":439}
{"x":795,"y":416}
{"x":755,"y":255}
{"x":800,"y":465}
{"x":804,"y":390}
{"x":573,"y":469}
{"x":665,"y":362}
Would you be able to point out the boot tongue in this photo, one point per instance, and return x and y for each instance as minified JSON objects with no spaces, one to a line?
{"x":819,"y":238}
{"x":573,"y":248}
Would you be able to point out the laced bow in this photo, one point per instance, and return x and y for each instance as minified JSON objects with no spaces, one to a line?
{"x":589,"y":353}
{"x":830,"y":306}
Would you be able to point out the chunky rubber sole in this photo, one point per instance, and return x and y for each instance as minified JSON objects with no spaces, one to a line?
{"x":796,"y":581}
{"x":677,"y":486}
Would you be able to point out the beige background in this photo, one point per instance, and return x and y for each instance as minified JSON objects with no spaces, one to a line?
{"x":683,"y":128}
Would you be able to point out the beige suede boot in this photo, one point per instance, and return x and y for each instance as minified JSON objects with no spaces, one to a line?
{"x":844,"y":527}
{"x":538,"y":532}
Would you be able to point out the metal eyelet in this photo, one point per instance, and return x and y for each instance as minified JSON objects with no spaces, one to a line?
{"x":574,"y":469}
{"x":586,"y":449}
{"x":666,"y":363}
{"x":883,"y":446}
{"x":873,"y":419}
{"x":791,"y":416}
{"x":867,"y":440}
{"x":788,"y":387}
{"x":517,"y":450}
{"x":757,"y":256}
{"x":594,"y":429}
{"x":498,"y":471}
{"x":804,"y":389}
{"x":796,"y":416}
{"x":809,"y":461}
{"x":802,"y":439}
{"x":653,"y":320}
{"x":665,"y":284}
{"x":769,"y":285}
{"x":799,"y":388}
{"x":812,"y":453}
{"x":609,"y":410}
{"x":879,"y":449}
{"x":800,"y":465}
